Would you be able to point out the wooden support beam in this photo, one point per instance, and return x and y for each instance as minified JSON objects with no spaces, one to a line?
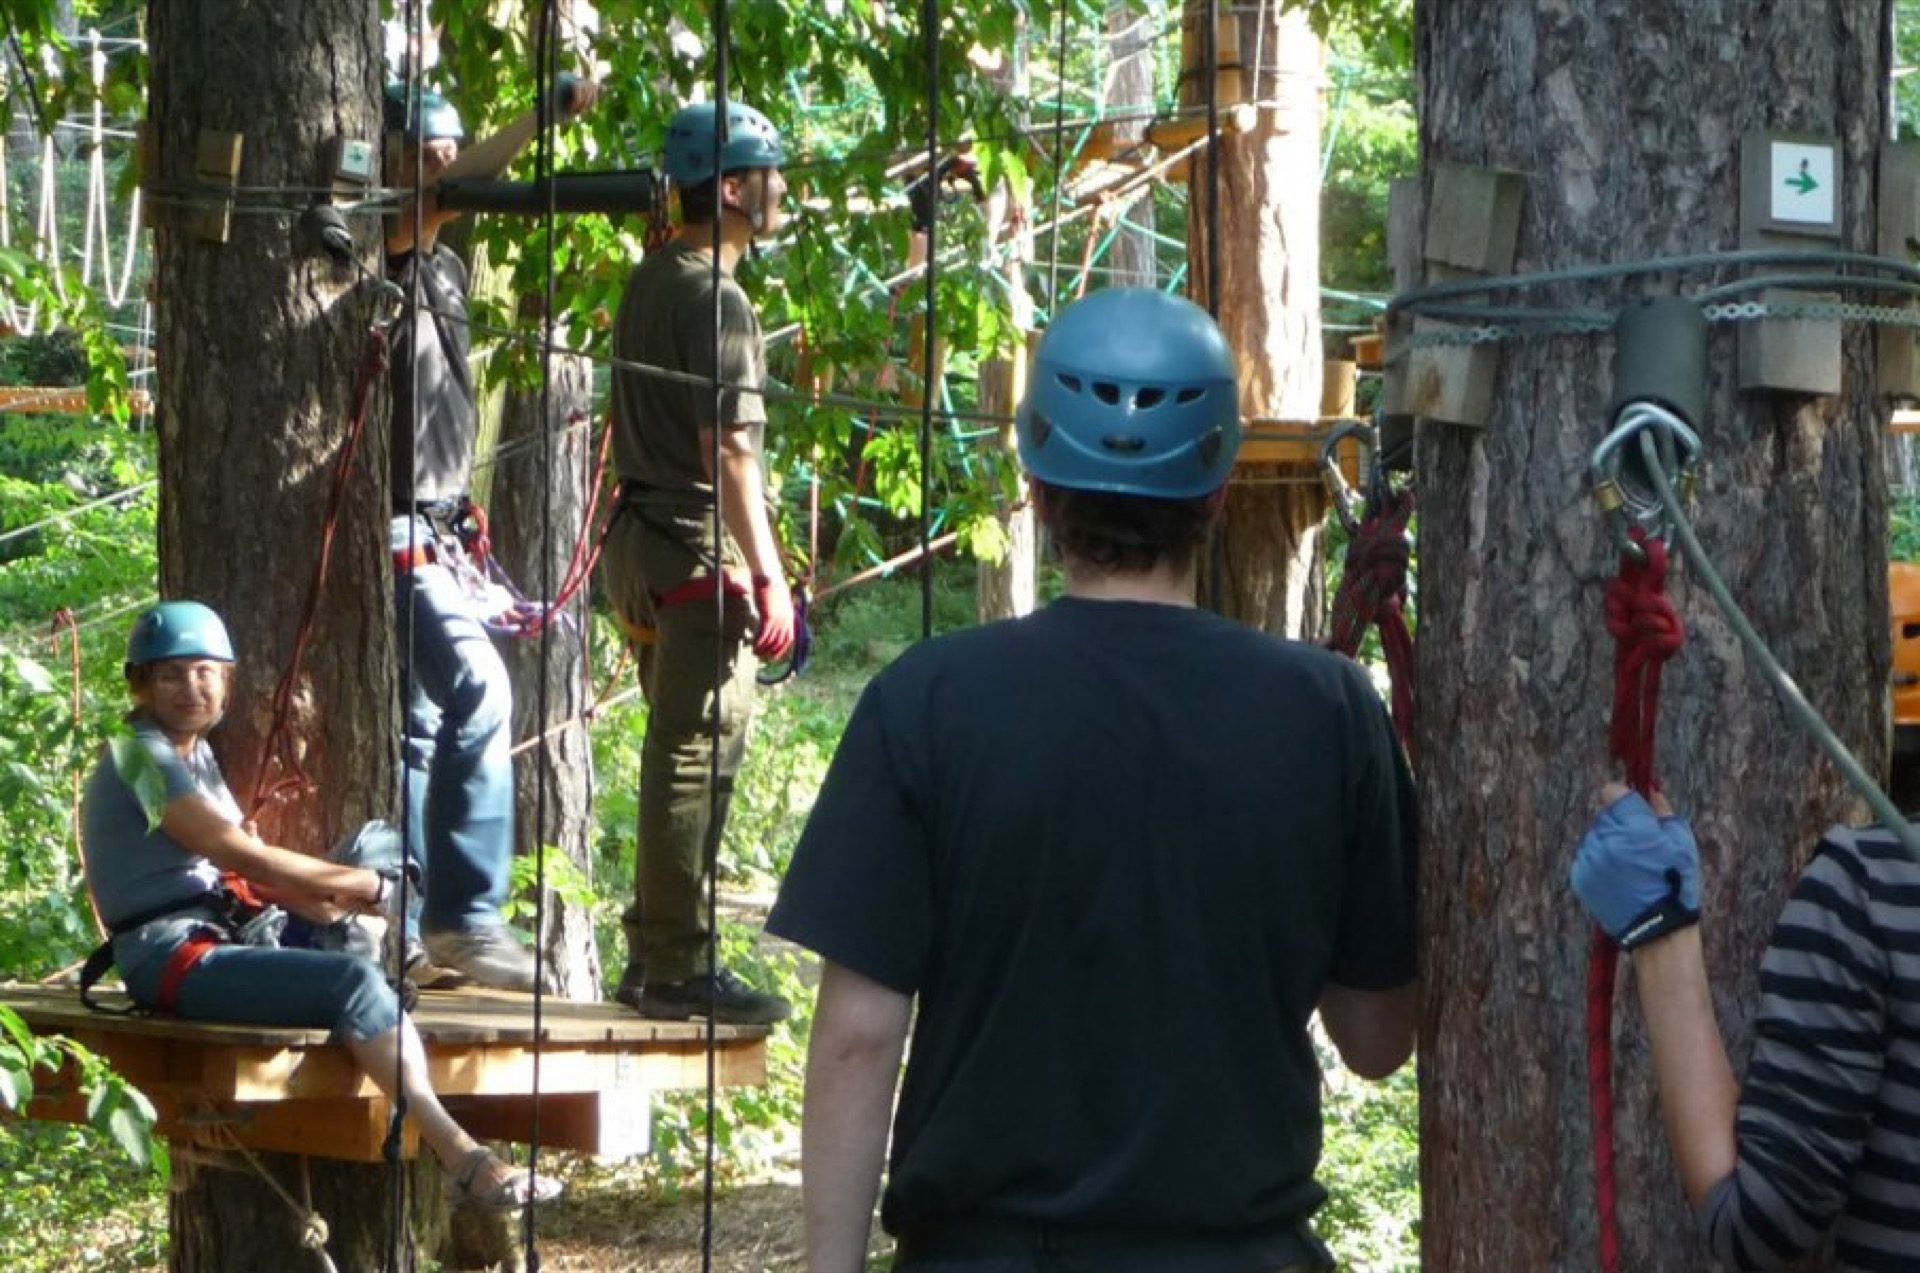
{"x":293,"y":1091}
{"x":37,"y":400}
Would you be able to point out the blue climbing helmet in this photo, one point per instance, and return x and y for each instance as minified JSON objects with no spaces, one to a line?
{"x":751,"y":142}
{"x":436,"y":119}
{"x":1133,"y":392}
{"x":178,"y":630}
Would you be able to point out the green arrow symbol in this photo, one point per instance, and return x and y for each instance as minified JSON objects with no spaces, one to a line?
{"x":1802,"y":182}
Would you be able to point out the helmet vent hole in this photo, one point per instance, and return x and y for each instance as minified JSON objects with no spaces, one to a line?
{"x":1042,"y":429}
{"x":1192,"y":393}
{"x":1125,"y":444}
{"x":1107,"y":392}
{"x":1071,"y":382}
{"x":1149,"y":398}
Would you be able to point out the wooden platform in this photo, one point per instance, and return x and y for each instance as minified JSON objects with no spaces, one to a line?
{"x":292,"y":1091}
{"x":31,"y":400}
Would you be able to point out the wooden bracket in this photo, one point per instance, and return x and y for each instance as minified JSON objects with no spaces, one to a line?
{"x":1899,"y":240}
{"x":1792,"y":355}
{"x":1472,"y":228}
{"x":216,"y":162}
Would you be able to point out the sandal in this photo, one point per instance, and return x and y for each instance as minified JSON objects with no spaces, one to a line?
{"x":516,"y":1190}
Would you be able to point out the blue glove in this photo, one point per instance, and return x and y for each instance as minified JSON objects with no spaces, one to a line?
{"x":1638,"y":874}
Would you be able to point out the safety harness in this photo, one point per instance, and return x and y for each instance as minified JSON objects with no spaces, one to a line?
{"x":636,"y":498}
{"x":234,"y":915}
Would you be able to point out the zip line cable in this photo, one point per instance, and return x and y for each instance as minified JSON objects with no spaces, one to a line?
{"x":403,"y":615}
{"x":933,"y":381}
{"x":547,"y":81}
{"x":710,"y":848}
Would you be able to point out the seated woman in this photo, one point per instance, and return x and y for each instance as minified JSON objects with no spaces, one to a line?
{"x":161,"y":832}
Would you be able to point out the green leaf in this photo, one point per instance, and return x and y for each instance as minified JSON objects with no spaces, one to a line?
{"x":125,"y":1115}
{"x":16,"y":1085}
{"x":141,"y":772}
{"x":17,"y":1030}
{"x":37,"y":678}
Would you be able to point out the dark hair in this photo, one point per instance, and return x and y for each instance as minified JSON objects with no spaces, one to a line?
{"x":1124,"y":534}
{"x":699,"y":203}
{"x":702,"y":202}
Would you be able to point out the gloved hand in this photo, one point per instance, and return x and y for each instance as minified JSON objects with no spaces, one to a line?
{"x":774,"y":604}
{"x":1637,"y":873}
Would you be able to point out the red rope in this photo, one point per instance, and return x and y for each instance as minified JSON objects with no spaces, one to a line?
{"x":1647,"y":632}
{"x":278,"y":749}
{"x":1373,"y":593}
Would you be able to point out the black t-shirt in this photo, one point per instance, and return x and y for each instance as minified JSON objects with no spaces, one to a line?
{"x":1117,"y":850}
{"x":435,"y":348}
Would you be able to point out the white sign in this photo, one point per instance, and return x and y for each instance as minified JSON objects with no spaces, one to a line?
{"x":1801,"y":187}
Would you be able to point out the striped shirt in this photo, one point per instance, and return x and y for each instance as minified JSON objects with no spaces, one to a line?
{"x":1829,"y":1127}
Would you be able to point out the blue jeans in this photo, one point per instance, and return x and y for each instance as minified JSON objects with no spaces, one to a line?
{"x":261,"y":985}
{"x":460,"y":770}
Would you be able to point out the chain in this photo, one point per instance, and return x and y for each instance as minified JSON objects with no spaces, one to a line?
{"x":1722,"y":312}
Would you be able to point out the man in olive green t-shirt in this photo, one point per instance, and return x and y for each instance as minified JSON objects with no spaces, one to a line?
{"x":662,"y":565}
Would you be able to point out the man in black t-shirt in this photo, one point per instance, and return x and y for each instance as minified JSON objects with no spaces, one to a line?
{"x":460,"y":784}
{"x":1119,"y":852}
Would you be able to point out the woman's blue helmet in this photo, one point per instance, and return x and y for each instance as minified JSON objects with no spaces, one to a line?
{"x":1133,"y":392}
{"x":434,"y":120}
{"x":751,"y":142}
{"x":178,"y":630}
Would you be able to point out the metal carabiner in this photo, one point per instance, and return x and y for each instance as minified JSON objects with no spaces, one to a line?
{"x":1624,"y":488}
{"x":1345,"y":505}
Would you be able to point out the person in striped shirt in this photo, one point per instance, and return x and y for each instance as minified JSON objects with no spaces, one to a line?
{"x":1823,"y":1137}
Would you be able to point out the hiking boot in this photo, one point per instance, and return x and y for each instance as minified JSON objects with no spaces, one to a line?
{"x":633,"y":984}
{"x":486,"y":956}
{"x":415,"y":966}
{"x":734,"y":1001}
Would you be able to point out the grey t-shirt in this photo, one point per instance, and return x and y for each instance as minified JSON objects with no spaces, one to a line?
{"x":434,"y":350}
{"x":666,"y":320}
{"x":132,"y":865}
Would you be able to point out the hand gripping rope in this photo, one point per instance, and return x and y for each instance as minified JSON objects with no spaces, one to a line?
{"x":1373,"y":585}
{"x":1645,"y":628}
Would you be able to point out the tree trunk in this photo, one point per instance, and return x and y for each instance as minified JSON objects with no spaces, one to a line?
{"x":1265,"y":568}
{"x":226,"y":1217}
{"x":1627,"y":126}
{"x":1129,"y":92}
{"x":534,"y":545}
{"x":263,"y":338}
{"x":262,"y":341}
{"x":1008,"y":588}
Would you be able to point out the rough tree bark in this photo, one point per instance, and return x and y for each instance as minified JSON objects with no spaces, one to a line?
{"x":1627,"y":124}
{"x":257,"y":363}
{"x":1265,"y":565}
{"x":534,"y":545}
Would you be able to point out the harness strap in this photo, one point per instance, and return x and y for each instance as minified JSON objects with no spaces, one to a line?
{"x":701,"y":588}
{"x":185,"y":958}
{"x":408,"y":560}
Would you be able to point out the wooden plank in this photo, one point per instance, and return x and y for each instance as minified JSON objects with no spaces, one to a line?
{"x":353,"y":1130}
{"x":605,"y":1124}
{"x":458,"y":1016}
{"x":37,"y":400}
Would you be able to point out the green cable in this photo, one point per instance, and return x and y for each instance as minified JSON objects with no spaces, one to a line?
{"x":1420,"y":296}
{"x":1809,"y":719}
{"x":1761,"y":281}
